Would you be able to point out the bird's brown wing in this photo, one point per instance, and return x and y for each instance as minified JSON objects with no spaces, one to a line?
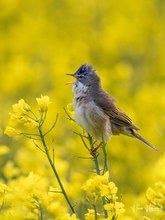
{"x":120,"y":122}
{"x":117,"y":117}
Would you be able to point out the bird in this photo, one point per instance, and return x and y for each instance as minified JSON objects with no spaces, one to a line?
{"x":95,"y":110}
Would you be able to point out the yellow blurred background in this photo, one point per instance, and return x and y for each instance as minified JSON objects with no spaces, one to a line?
{"x":41,"y":41}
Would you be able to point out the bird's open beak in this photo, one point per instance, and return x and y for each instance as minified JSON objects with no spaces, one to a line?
{"x":70,"y":74}
{"x":70,"y":83}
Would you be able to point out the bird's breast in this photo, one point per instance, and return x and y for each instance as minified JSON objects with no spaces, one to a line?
{"x":92,"y":118}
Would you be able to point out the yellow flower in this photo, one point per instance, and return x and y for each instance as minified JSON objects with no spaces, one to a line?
{"x":21,"y":107}
{"x":102,"y":179}
{"x":115,"y":208}
{"x":43,"y":103}
{"x":156,"y":197}
{"x":109,"y":207}
{"x":4,"y":149}
{"x":68,"y":217}
{"x":91,"y":214}
{"x":109,"y":190}
{"x":95,"y":184}
{"x":112,"y":187}
{"x":119,"y":208}
{"x":73,"y":217}
{"x":12,"y":132}
{"x":18,"y":118}
{"x":161,"y":187}
{"x":151,"y":194}
{"x":90,"y":187}
{"x":31,"y":123}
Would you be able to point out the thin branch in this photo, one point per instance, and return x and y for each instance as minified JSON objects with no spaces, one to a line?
{"x":41,"y":213}
{"x":79,"y":134}
{"x":37,"y":139}
{"x":91,"y":142}
{"x":28,"y":134}
{"x":95,"y":210}
{"x":69,"y":117}
{"x":85,"y":158}
{"x":95,"y":158}
{"x":34,"y":114}
{"x":53,"y":151}
{"x":54,"y":124}
{"x":28,"y":116}
{"x":43,"y":117}
{"x":106,"y":167}
{"x":38,"y":147}
{"x":54,"y":169}
{"x":84,"y":142}
{"x":55,"y":191}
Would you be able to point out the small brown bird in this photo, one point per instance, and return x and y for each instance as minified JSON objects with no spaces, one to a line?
{"x":95,"y":110}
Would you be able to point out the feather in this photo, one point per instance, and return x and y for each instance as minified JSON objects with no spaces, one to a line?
{"x":108,"y":106}
{"x":143,"y":140}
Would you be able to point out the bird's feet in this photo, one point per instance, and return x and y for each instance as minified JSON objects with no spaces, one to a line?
{"x":93,"y":150}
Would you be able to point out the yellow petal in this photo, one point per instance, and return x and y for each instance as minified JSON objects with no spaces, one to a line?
{"x":12,"y":131}
{"x":43,"y":103}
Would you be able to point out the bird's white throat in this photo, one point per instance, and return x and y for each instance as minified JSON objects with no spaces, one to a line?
{"x":79,"y":88}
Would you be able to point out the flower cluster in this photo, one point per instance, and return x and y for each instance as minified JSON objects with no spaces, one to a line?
{"x":97,"y":188}
{"x":156,"y":198}
{"x":23,"y":199}
{"x":22,"y":115}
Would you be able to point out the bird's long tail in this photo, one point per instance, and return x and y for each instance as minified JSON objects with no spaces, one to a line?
{"x":143,"y":140}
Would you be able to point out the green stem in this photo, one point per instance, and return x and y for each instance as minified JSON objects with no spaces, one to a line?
{"x":96,"y":217}
{"x":96,"y":164}
{"x":95,"y":157}
{"x":54,"y":169}
{"x":106,"y":166}
{"x":41,"y":217}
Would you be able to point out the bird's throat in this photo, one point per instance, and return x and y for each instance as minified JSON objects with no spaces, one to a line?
{"x":79,"y":89}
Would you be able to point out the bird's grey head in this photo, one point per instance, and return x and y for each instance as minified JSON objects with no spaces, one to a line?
{"x":87,"y":76}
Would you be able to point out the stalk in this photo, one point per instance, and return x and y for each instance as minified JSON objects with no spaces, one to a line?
{"x":95,"y":157}
{"x":54,"y":168}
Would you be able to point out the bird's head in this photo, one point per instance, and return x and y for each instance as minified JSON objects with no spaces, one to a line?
{"x":87,"y":76}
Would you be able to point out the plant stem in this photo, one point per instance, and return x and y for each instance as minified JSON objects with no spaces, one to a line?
{"x":96,"y":163}
{"x":106,"y":166}
{"x":95,"y":157}
{"x":96,"y":217}
{"x":94,"y":154}
{"x":53,"y":168}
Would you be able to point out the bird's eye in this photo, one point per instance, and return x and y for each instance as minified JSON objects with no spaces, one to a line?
{"x":80,"y":77}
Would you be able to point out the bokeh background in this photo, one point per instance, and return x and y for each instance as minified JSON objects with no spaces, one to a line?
{"x":41,"y":41}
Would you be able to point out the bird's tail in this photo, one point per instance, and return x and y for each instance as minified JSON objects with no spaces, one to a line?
{"x":143,"y":140}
